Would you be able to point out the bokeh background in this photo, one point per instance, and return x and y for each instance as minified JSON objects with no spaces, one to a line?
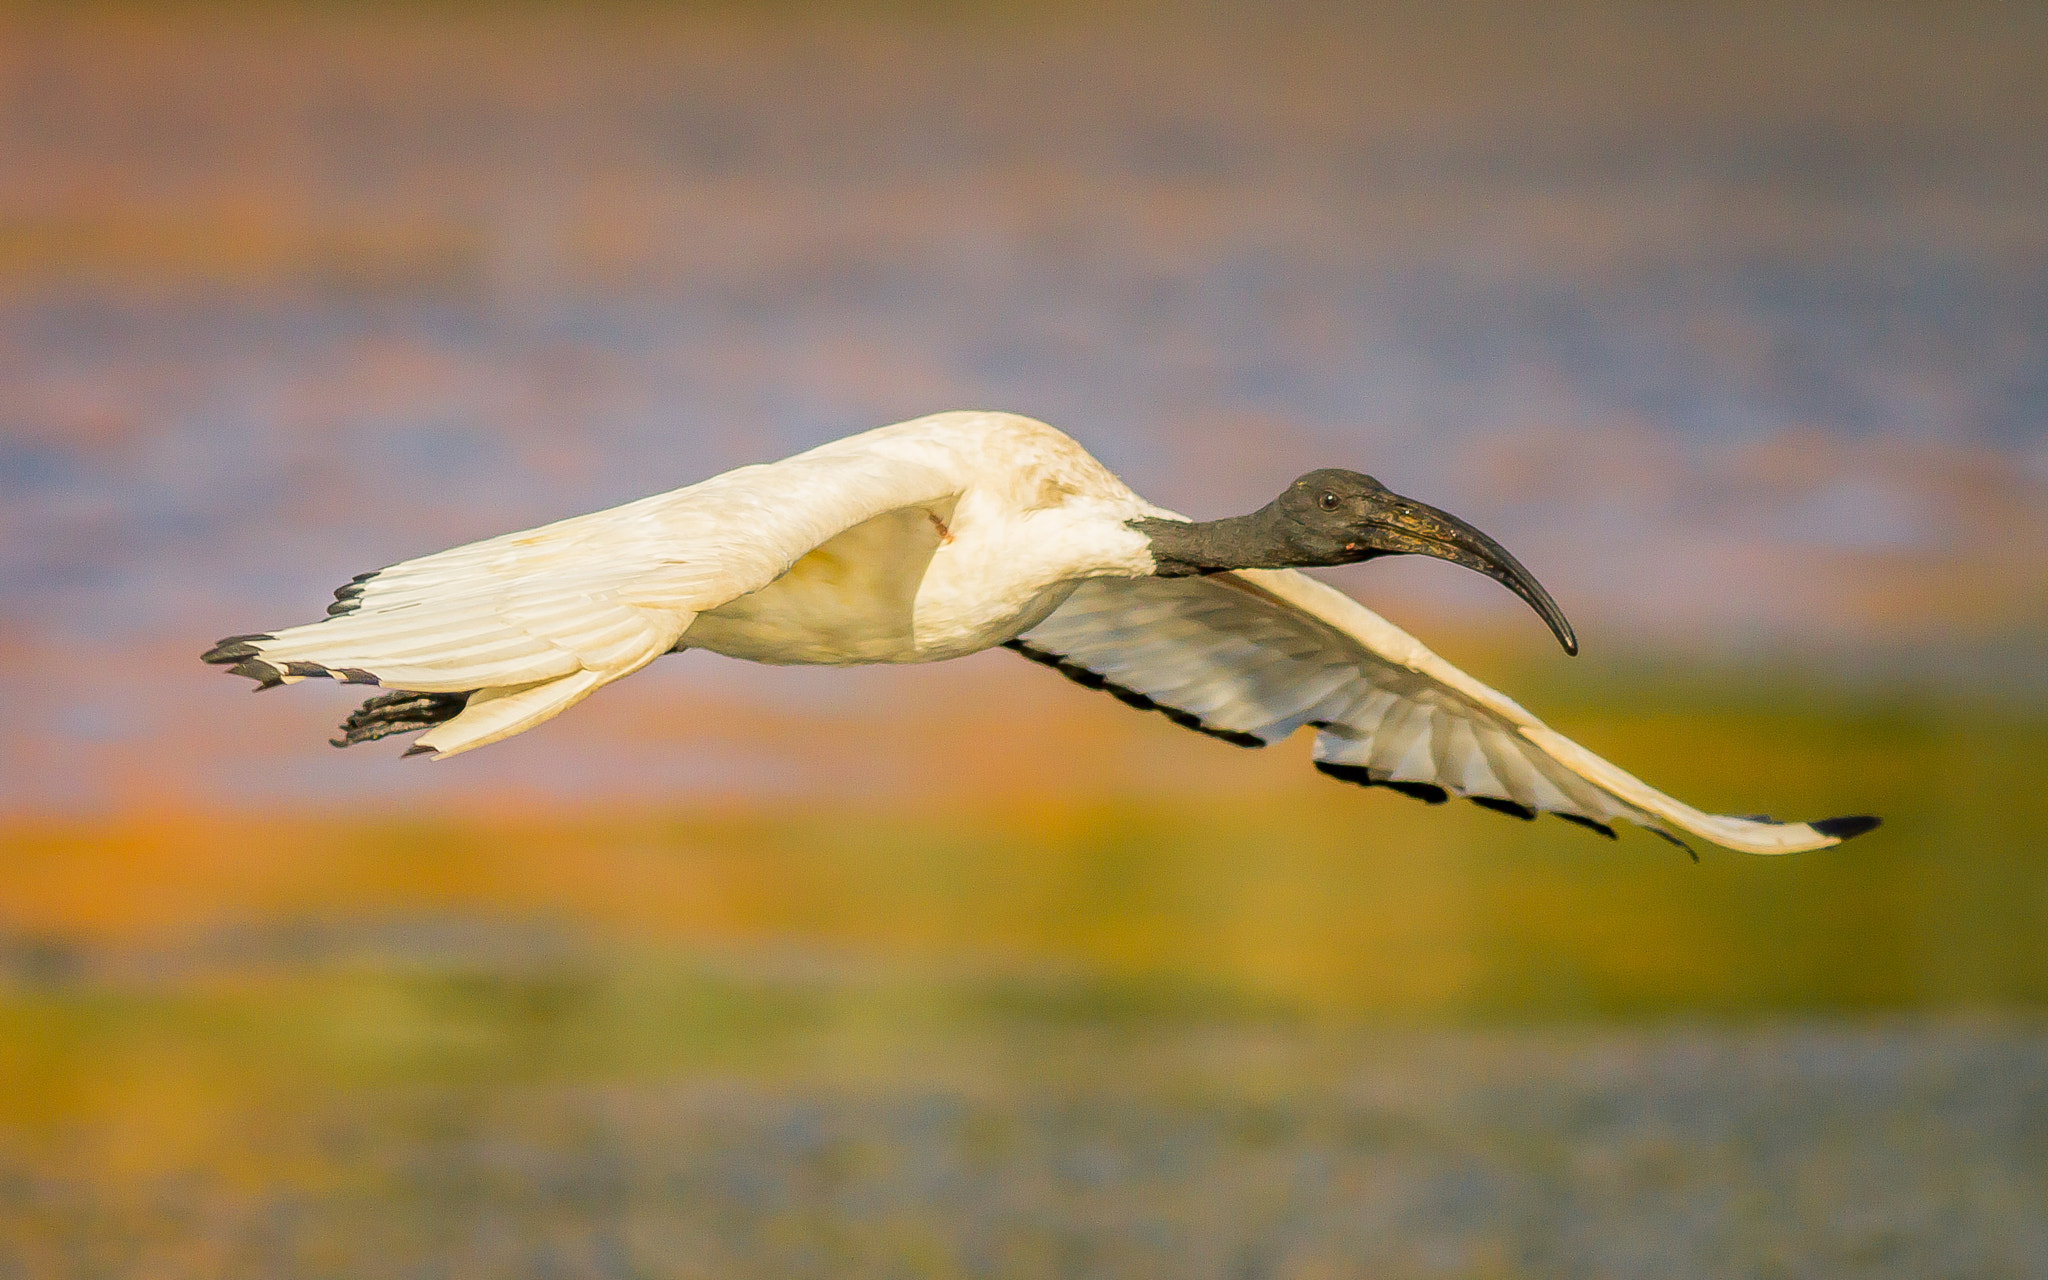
{"x":1731,"y":321}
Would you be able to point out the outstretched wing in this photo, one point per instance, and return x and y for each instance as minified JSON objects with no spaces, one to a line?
{"x":529,"y":623}
{"x":1254,"y":655}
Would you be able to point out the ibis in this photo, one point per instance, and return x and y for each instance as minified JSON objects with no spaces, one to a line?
{"x":958,"y":532}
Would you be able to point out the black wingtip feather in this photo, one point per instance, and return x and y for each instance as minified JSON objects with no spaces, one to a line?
{"x":401,"y":711}
{"x":1353,"y":773}
{"x":232,"y":649}
{"x":1846,"y":828}
{"x":263,"y":673}
{"x":1508,"y":807}
{"x":1088,"y":679}
{"x":1662,"y":834}
{"x":348,"y":597}
{"x":1359,"y":775}
{"x":1580,"y":820}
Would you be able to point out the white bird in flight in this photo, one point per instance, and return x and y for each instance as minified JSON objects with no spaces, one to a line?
{"x":954,"y":533}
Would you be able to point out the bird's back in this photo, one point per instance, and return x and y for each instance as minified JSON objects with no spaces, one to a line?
{"x":1030,"y":513}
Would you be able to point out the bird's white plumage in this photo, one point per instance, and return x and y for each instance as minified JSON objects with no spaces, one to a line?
{"x":924,"y":540}
{"x":928,"y":540}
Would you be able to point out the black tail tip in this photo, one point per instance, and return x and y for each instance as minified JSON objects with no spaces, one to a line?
{"x":1845,"y":828}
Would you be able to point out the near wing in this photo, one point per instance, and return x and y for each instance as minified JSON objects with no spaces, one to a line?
{"x":499,"y":635}
{"x":1254,"y":655}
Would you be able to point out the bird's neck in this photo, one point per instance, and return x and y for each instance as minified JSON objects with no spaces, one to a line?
{"x":1183,"y":549}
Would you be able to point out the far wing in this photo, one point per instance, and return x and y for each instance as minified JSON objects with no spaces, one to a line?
{"x":530,"y":622}
{"x":1254,"y":655}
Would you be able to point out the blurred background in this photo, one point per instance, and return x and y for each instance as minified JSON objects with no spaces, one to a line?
{"x":1731,"y":321}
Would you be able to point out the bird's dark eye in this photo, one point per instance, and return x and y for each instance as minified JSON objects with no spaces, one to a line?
{"x":1328,"y":501}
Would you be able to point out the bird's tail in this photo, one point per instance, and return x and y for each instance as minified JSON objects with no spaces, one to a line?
{"x":490,"y":714}
{"x":456,"y":720}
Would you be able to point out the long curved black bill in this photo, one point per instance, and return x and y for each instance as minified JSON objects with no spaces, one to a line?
{"x":1408,"y":527}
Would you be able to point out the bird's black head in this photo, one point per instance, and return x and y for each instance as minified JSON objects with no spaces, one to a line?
{"x":1332,"y":517}
{"x":1326,"y":517}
